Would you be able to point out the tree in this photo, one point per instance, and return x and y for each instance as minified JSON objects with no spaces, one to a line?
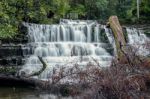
{"x":138,"y":10}
{"x":95,"y":8}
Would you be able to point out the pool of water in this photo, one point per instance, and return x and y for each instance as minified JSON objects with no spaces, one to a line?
{"x":26,"y":93}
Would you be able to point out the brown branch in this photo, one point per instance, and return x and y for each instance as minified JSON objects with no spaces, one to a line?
{"x":41,"y":70}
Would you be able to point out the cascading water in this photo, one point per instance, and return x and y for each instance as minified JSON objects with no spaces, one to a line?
{"x":68,"y":43}
{"x":74,"y":42}
{"x":138,"y":40}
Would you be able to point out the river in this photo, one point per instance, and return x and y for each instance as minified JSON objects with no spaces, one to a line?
{"x":26,"y":93}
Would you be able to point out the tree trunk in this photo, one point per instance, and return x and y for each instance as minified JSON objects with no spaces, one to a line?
{"x":118,"y":35}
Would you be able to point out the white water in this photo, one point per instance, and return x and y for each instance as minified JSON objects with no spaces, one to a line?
{"x":73,"y":42}
{"x":65,"y":44}
{"x":138,"y":40}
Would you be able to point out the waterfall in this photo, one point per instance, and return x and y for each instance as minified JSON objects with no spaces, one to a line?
{"x":65,"y":44}
{"x":74,"y":42}
{"x":138,"y":40}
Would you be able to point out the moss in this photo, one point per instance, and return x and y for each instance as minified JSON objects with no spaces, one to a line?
{"x":8,"y":70}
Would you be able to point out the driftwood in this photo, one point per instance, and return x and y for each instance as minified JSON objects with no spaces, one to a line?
{"x":41,"y":70}
{"x":25,"y":80}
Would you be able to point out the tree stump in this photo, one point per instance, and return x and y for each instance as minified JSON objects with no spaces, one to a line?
{"x":118,"y":35}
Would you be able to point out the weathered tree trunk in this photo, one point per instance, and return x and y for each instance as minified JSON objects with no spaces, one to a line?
{"x":120,"y":42}
{"x":118,"y":35}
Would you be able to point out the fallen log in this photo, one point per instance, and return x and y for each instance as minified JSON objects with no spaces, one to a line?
{"x":24,"y":80}
{"x":16,"y":81}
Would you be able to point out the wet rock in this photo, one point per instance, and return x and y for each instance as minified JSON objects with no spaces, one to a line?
{"x":10,"y":50}
{"x":23,"y":29}
{"x":12,"y":54}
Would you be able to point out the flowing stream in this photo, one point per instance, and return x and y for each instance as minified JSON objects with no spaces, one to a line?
{"x":139,"y":40}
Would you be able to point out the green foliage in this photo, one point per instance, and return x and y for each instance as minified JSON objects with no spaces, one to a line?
{"x":79,"y":9}
{"x":101,"y":6}
{"x":7,"y":31}
{"x":7,"y":28}
{"x":8,"y":70}
{"x":12,"y":12}
{"x":144,"y":10}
